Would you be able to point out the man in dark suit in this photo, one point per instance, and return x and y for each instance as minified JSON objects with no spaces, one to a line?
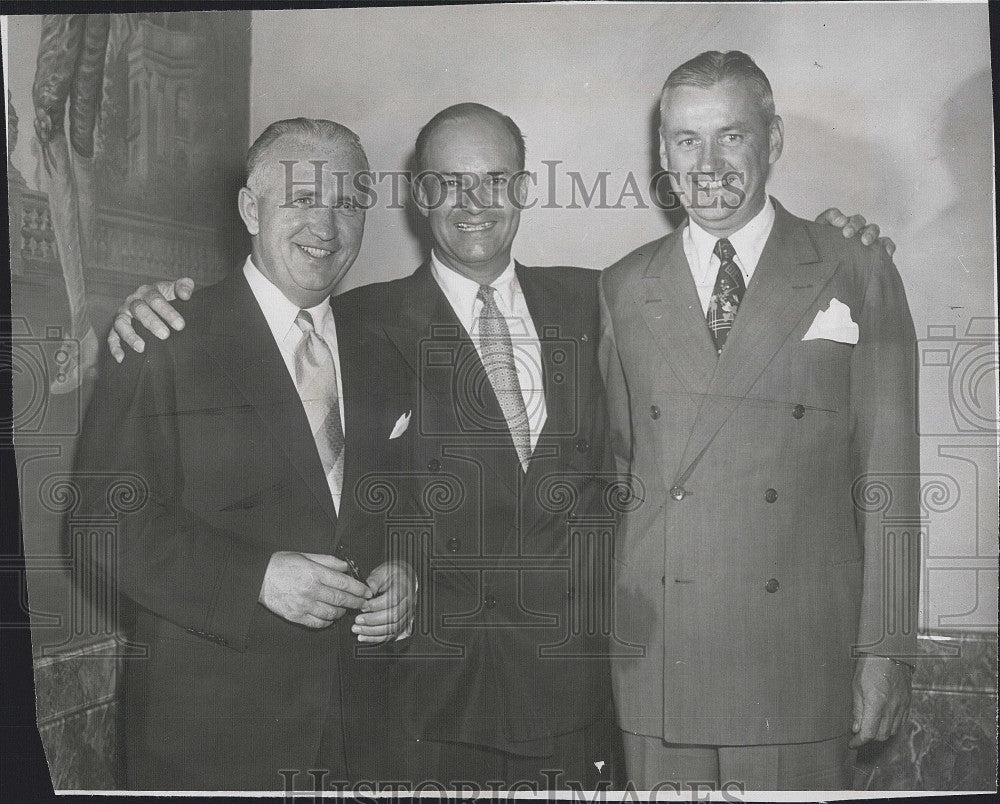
{"x":508,"y":676}
{"x":760,"y":379}
{"x":245,"y":549}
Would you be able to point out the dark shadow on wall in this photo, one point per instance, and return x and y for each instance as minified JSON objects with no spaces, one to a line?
{"x":961,"y":235}
{"x":416,"y":223}
{"x":668,"y":202}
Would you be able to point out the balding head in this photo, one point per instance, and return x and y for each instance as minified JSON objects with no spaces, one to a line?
{"x":463,"y":112}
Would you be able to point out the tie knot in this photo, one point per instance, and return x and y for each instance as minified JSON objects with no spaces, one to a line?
{"x":304,"y":321}
{"x":486,"y":293}
{"x":724,"y":250}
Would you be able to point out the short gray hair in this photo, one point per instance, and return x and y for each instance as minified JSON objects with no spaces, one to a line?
{"x":713,"y":67}
{"x":302,"y":129}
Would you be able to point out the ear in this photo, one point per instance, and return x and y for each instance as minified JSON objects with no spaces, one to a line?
{"x":419,"y":192}
{"x":521,"y":188}
{"x":247,"y":204}
{"x":777,"y":138}
{"x":664,"y":162}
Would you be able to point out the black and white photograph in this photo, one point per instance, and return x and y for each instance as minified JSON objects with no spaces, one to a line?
{"x":501,"y":400}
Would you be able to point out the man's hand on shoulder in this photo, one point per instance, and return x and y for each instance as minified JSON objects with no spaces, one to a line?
{"x":881,"y":699}
{"x":389,"y":614}
{"x":151,"y":305}
{"x":856,"y":226}
{"x":311,"y":589}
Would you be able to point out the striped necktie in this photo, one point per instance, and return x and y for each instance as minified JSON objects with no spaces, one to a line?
{"x":497,"y":354}
{"x":316,"y":378}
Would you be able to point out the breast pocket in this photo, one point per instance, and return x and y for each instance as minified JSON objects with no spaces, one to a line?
{"x":818,"y":373}
{"x":230,"y":461}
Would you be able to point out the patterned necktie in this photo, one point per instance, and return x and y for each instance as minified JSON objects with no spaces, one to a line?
{"x":497,"y":353}
{"x":316,"y":378}
{"x":727,"y":295}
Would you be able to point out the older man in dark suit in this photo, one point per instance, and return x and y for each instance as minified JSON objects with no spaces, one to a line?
{"x":244,"y":437}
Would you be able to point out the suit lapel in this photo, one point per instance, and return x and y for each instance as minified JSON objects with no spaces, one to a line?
{"x":419,"y":311}
{"x":421,"y":314}
{"x":668,"y":300}
{"x":785,"y":284}
{"x":355,"y":394}
{"x":553,"y":330}
{"x":240,"y":342}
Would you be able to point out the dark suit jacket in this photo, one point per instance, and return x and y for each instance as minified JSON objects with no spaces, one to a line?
{"x":761,"y":560}
{"x":510,"y":646}
{"x":210,"y":429}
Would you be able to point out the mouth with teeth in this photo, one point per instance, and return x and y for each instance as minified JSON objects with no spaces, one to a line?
{"x":315,"y":253}
{"x":715,"y":184}
{"x":475,"y":227}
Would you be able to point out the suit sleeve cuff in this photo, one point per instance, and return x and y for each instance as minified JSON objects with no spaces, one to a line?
{"x":237,"y":596}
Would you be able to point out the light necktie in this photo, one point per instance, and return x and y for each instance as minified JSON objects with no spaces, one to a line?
{"x":316,"y":378}
{"x":497,"y":354}
{"x":727,"y":295}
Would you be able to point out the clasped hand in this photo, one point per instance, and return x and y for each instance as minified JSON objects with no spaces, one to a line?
{"x":316,"y":590}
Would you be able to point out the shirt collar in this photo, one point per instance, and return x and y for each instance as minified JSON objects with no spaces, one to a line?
{"x":748,"y":241}
{"x":462,"y":291}
{"x":278,"y":310}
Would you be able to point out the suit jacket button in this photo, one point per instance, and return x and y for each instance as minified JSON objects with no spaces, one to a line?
{"x":582,"y":445}
{"x":490,"y":602}
{"x":663,"y":580}
{"x":677,"y":492}
{"x":772,"y":586}
{"x":798,"y":411}
{"x":770,"y":495}
{"x":433,"y":464}
{"x":654,"y":412}
{"x":453,"y":545}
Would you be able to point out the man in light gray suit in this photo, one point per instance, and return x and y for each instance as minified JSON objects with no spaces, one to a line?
{"x":760,"y":376}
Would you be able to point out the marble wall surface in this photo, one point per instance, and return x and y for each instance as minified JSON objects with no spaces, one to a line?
{"x":950,"y":742}
{"x":76,"y":697}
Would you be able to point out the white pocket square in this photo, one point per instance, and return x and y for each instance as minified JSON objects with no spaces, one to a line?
{"x":400,"y":426}
{"x":834,"y":324}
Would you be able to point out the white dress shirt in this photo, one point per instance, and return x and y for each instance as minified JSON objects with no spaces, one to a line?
{"x":748,"y":242}
{"x":280,"y":314}
{"x":462,"y":294}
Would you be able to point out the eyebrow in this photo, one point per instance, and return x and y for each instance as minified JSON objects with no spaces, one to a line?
{"x":740,"y":125}
{"x":459,"y":173}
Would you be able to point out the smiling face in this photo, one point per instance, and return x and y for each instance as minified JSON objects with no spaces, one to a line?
{"x":305,"y":226}
{"x":719,"y":149}
{"x":472,"y":195}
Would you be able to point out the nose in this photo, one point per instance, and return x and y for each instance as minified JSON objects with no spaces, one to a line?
{"x":474,"y":202}
{"x":710,"y":157}
{"x":324,"y":224}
